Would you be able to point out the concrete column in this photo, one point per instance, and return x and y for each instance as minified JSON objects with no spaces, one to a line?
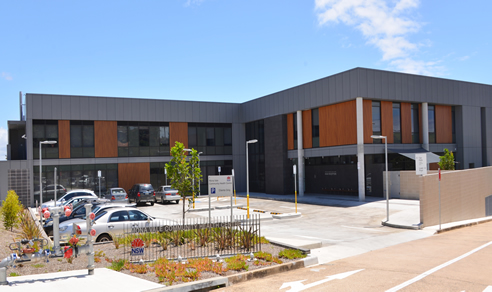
{"x":360,"y":148}
{"x":425,"y":126}
{"x":300,"y":153}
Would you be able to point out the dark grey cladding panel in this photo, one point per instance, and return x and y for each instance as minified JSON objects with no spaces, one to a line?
{"x":84,"y":108}
{"x":92,"y":102}
{"x":74,"y":108}
{"x":110,"y":109}
{"x":135,"y":110}
{"x":65,"y":107}
{"x":297,"y":95}
{"x":127,"y":109}
{"x":46,"y":104}
{"x":398,"y":87}
{"x":101,"y":108}
{"x":37,"y":109}
{"x":56,"y":107}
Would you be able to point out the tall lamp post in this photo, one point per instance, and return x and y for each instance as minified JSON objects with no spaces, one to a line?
{"x":41,"y":171}
{"x":247,"y":171}
{"x":386,"y":162}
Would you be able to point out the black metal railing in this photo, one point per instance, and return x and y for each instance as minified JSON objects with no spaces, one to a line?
{"x":191,"y":238}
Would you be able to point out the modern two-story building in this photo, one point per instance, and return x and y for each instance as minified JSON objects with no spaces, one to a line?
{"x":324,"y":127}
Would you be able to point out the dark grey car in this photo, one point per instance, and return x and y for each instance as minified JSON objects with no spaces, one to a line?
{"x":142,"y":193}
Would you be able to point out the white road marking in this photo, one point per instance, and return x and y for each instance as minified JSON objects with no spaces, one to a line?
{"x":366,"y":229}
{"x":421,"y":276}
{"x":298,"y":286}
{"x":310,"y":237}
{"x":488,"y":289}
{"x":317,"y":270}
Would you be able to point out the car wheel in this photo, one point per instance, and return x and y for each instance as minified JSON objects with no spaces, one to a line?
{"x":177,"y":201}
{"x":152,"y":203}
{"x":103,"y":238}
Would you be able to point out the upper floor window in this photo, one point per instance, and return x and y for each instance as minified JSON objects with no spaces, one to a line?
{"x":396,"y":123}
{"x":81,"y":139}
{"x":376,"y":121}
{"x":45,"y":130}
{"x":315,"y":127}
{"x":415,"y":124}
{"x":432,"y":124}
{"x":211,"y":139}
{"x":143,"y":139}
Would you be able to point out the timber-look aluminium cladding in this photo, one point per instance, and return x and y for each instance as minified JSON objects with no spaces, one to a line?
{"x":307,"y":129}
{"x":64,"y":139}
{"x":387,"y":120}
{"x":133,"y":172}
{"x":106,"y":138}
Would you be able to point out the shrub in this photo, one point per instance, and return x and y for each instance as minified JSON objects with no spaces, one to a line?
{"x":237,"y":263}
{"x":29,"y":230}
{"x":11,"y":209}
{"x":291,"y":254}
{"x":117,"y":265}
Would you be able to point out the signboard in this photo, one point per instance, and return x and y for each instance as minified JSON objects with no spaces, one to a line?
{"x":220,"y":185}
{"x":137,"y":247}
{"x":421,"y":164}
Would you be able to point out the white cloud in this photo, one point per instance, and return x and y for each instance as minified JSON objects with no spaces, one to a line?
{"x":4,"y":140}
{"x":193,"y":2}
{"x":385,"y":24}
{"x":7,"y":76}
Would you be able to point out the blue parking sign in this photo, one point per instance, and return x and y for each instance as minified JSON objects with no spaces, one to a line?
{"x":213,"y":190}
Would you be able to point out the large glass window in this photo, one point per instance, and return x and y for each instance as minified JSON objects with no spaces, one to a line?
{"x":256,"y":155}
{"x":143,"y":139}
{"x":376,"y":121}
{"x":315,"y":127}
{"x":415,"y":124}
{"x":396,"y":123}
{"x":432,"y":124}
{"x":211,"y":139}
{"x":81,"y":139}
{"x":45,"y":131}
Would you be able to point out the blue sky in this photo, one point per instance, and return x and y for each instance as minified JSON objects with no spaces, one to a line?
{"x":227,"y":50}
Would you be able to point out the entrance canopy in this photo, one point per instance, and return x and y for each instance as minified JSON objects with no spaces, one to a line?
{"x":410,"y":153}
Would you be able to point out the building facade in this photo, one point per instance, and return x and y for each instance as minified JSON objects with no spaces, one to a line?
{"x":323,"y":127}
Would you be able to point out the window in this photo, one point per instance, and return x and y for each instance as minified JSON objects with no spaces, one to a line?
{"x":45,"y":131}
{"x":81,"y":139}
{"x":137,"y":215}
{"x":376,"y":121}
{"x":396,"y":123}
{"x":211,"y":139}
{"x":315,"y":127}
{"x":119,"y":216}
{"x":295,"y":130}
{"x":432,"y":124}
{"x":415,"y":124}
{"x":143,"y":139}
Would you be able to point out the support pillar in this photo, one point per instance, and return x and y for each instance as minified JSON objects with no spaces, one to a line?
{"x":300,"y":153}
{"x":425,"y":126}
{"x":360,"y":148}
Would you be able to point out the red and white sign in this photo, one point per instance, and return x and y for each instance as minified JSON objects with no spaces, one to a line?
{"x":92,"y":216}
{"x":439,"y":174}
{"x":137,"y":242}
{"x":93,"y":232}
{"x":68,"y":212}
{"x":46,"y":214}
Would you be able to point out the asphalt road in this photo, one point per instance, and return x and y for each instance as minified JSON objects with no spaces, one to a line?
{"x":457,"y":260}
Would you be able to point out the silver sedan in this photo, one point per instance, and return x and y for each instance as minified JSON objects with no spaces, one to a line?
{"x":167,"y":194}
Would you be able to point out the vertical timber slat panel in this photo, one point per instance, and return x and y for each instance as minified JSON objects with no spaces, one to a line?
{"x":307,"y":129}
{"x":178,"y":132}
{"x":387,"y":120}
{"x":105,"y":139}
{"x":64,"y":139}
{"x":444,"y":131}
{"x":367,"y":109}
{"x":406,"y":123}
{"x":338,"y":124}
{"x":290,"y":131}
{"x":420,"y":124}
{"x":133,"y":173}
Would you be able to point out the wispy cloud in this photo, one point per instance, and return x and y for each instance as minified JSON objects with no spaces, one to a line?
{"x":7,"y":76}
{"x":386,"y":25}
{"x":3,"y":143}
{"x":193,"y":2}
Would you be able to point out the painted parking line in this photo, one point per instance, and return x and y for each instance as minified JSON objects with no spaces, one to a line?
{"x":297,"y":286}
{"x":366,"y":229}
{"x":324,"y":239}
{"x":429,"y":272}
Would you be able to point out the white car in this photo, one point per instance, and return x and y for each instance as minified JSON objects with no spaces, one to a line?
{"x":68,"y":196}
{"x":167,"y":194}
{"x":113,"y":222}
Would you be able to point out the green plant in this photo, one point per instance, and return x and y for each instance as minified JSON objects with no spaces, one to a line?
{"x":13,"y":274}
{"x":446,"y":162}
{"x":177,"y":237}
{"x":28,"y":227}
{"x":248,"y":237}
{"x":291,"y":254}
{"x":37,"y":266}
{"x":237,"y":263}
{"x":220,"y":238}
{"x":117,"y":265}
{"x":11,"y":209}
{"x":136,"y":268}
{"x":203,"y":236}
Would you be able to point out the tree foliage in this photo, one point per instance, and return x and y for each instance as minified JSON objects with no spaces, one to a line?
{"x":183,"y":172}
{"x":11,"y":210}
{"x":446,"y":162}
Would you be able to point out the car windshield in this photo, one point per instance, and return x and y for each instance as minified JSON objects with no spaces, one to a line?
{"x":146,"y":188}
{"x":169,"y":189}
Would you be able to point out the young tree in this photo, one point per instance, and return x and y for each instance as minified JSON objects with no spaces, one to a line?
{"x":11,"y":210}
{"x":183,"y":173}
{"x":446,"y":162}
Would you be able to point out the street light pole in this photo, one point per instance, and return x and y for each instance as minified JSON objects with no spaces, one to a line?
{"x":41,"y":171}
{"x":247,"y":171}
{"x":386,"y":163}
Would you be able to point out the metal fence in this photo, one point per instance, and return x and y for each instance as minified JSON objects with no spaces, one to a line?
{"x":191,"y":238}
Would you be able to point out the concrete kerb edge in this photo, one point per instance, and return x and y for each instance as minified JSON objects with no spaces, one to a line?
{"x":463,"y":225}
{"x":228,"y":207}
{"x":304,"y":250}
{"x":418,"y":227}
{"x":200,"y":209}
{"x":241,"y":277}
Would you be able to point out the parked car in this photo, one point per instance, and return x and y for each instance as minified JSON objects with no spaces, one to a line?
{"x":117,"y":195}
{"x":49,"y":192}
{"x":167,"y":194}
{"x":68,"y":196}
{"x":112,"y":222}
{"x":142,"y":193}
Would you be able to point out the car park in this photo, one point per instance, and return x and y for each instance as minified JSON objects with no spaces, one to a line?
{"x":112,"y":222}
{"x":49,"y":192}
{"x":117,"y":195}
{"x":68,"y":196}
{"x":167,"y":194}
{"x":142,"y":193}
